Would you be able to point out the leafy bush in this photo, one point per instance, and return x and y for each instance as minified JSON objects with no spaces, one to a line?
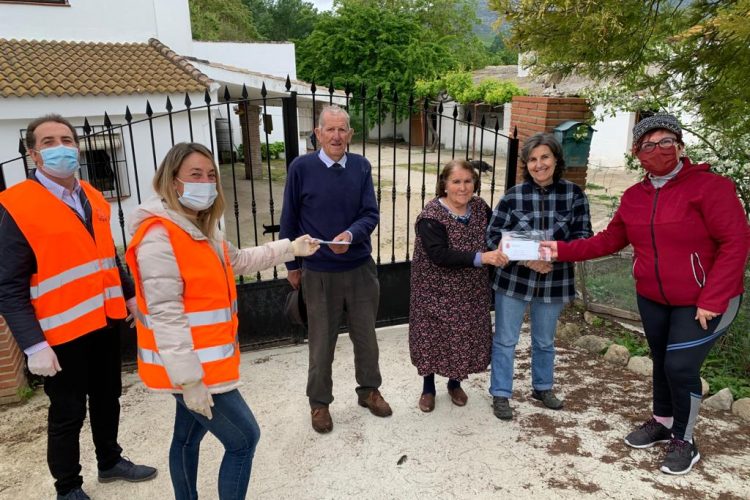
{"x":635,"y":343}
{"x":495,"y":92}
{"x":274,"y":149}
{"x":460,"y":86}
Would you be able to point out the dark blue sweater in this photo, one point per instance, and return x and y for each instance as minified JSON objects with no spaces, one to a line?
{"x":324,"y":202}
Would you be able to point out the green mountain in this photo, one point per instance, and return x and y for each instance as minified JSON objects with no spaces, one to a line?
{"x":487,"y":18}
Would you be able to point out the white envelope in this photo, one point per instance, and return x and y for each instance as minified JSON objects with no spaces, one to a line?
{"x":521,"y":249}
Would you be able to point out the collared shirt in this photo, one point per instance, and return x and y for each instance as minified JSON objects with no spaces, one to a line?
{"x":70,"y":198}
{"x":329,"y":162}
{"x":563,"y":210}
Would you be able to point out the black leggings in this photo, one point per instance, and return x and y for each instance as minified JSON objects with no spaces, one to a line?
{"x":679,"y":346}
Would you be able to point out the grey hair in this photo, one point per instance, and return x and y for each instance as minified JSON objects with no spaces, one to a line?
{"x":333,"y":110}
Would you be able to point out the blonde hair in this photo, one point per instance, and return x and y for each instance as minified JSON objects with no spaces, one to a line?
{"x":206,"y":220}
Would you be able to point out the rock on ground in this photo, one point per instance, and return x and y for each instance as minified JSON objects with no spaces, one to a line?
{"x":741,"y":408}
{"x":704,"y":386}
{"x":568,"y":332}
{"x":593,"y":343}
{"x":590,"y":317}
{"x":641,"y":365}
{"x":722,"y":400}
{"x":617,"y":354}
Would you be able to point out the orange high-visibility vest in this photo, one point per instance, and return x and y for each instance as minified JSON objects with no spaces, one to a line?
{"x":77,"y":285}
{"x":210,"y":301}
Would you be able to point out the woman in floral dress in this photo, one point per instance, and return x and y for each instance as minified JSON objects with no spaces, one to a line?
{"x":450,"y":332}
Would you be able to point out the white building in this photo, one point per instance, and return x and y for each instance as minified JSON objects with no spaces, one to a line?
{"x":82,"y":58}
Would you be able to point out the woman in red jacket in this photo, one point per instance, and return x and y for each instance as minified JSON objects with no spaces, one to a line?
{"x":690,"y":238}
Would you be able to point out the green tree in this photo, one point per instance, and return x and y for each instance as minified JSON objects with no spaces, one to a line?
{"x":453,"y":21}
{"x":283,"y":20}
{"x":499,"y":54}
{"x":690,"y":58}
{"x":389,"y":44}
{"x":222,"y":20}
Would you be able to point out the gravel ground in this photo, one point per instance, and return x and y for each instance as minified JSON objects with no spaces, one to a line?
{"x":450,"y":453}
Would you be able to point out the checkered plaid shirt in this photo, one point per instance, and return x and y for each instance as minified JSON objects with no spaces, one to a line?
{"x":562,"y":208}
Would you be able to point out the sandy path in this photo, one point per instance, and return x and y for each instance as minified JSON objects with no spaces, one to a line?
{"x":450,"y":453}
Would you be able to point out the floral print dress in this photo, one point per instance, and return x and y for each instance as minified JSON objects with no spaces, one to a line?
{"x":450,"y":332}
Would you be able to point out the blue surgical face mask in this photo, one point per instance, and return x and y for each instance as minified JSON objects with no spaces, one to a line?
{"x":198,"y":195}
{"x":60,"y":161}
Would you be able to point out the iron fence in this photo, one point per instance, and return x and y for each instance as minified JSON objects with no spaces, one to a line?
{"x":117,"y":157}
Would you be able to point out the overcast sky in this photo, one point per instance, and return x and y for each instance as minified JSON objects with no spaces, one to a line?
{"x":322,"y":4}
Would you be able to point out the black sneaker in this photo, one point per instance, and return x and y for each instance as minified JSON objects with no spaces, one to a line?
{"x":681,"y":456}
{"x":127,"y":471}
{"x":547,"y":398}
{"x":648,"y":434}
{"x":501,"y":408}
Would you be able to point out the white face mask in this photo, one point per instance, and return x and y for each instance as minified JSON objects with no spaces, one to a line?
{"x":198,"y":195}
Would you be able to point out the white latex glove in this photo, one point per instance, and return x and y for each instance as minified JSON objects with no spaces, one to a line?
{"x":132,"y":306}
{"x":44,"y":363}
{"x":198,"y":399}
{"x":305,"y":246}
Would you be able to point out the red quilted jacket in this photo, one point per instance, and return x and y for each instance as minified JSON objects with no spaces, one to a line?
{"x":691,"y":239}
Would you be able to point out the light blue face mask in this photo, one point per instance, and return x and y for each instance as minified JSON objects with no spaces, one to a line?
{"x":197,"y":195}
{"x":60,"y":161}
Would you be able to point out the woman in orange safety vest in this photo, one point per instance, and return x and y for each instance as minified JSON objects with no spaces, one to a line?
{"x":187,"y":314}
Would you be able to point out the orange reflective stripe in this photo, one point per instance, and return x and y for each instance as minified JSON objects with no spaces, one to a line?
{"x":210,"y":304}
{"x":205,"y":355}
{"x":72,"y":314}
{"x":70,"y":275}
{"x":76,"y":286}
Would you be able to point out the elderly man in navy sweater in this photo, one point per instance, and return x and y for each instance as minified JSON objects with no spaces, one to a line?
{"x":329,"y":194}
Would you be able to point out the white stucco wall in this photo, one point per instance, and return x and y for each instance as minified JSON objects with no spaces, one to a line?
{"x":611,"y":140}
{"x":475,"y":134}
{"x":101,"y":21}
{"x":386,"y":128}
{"x":276,"y":59}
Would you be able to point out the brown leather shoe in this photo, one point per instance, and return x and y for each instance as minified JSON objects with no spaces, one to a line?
{"x":458,"y":396}
{"x":427,"y":402}
{"x":376,"y":404}
{"x":321,"y":419}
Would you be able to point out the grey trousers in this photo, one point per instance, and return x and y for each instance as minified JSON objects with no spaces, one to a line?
{"x":328,"y":296}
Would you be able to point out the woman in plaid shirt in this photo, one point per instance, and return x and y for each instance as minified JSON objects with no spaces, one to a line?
{"x":544,"y":201}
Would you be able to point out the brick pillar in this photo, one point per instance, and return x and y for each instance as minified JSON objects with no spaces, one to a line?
{"x":12,"y":376}
{"x":250,"y":121}
{"x":542,"y":114}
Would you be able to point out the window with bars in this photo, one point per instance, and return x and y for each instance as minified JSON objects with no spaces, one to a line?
{"x":103,"y":161}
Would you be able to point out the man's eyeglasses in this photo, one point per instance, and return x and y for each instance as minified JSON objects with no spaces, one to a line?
{"x":665,"y":143}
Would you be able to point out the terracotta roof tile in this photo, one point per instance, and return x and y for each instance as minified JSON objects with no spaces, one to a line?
{"x":54,"y":68}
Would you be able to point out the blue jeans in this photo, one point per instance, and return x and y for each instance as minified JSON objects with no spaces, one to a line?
{"x":509,"y":313}
{"x":234,"y":425}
